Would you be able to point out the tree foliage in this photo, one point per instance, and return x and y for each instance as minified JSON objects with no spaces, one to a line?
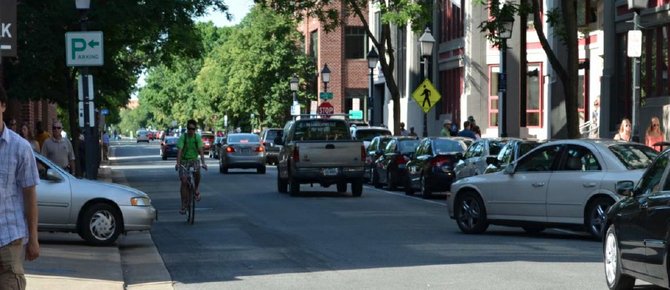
{"x":393,"y":12}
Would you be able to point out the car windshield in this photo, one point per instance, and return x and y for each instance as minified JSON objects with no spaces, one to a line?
{"x":243,"y":138}
{"x":495,"y":146}
{"x":634,"y":156}
{"x":272,"y":134}
{"x":407,"y":146}
{"x":369,"y":134}
{"x":447,"y":146}
{"x":171,"y":141}
{"x":322,"y":130}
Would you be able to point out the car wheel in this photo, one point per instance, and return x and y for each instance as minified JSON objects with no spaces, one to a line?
{"x":409,"y":189}
{"x":342,"y":187}
{"x":470,"y":214}
{"x":375,"y":179}
{"x":596,"y":216}
{"x":100,"y":224}
{"x":533,"y":229}
{"x":261,"y":170}
{"x":357,"y":188}
{"x":425,"y":191}
{"x":294,"y":187}
{"x":616,"y":280}
{"x":282,"y":185}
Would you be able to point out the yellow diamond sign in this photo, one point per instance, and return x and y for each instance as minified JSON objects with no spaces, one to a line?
{"x":426,"y":96}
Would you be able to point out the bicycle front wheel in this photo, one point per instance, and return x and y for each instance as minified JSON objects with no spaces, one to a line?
{"x":191,"y":206}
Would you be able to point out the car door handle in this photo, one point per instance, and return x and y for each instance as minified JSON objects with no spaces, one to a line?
{"x":590,"y":184}
{"x":538,"y":184}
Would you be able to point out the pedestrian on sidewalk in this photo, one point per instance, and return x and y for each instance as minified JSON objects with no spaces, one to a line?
{"x":18,"y":206}
{"x":42,"y":135}
{"x":105,"y":146}
{"x":58,"y":149}
{"x":26,"y":134}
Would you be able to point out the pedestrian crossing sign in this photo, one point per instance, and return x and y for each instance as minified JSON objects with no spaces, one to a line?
{"x":426,"y":96}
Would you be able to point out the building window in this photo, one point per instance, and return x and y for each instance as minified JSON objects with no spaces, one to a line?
{"x":355,"y":42}
{"x":451,"y":89}
{"x":453,"y":19}
{"x":351,"y":94}
{"x":655,"y":61}
{"x":586,"y":12}
{"x":533,"y":95}
{"x":314,"y":45}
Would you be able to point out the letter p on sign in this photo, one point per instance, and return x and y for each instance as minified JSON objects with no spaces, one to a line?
{"x":78,"y":45}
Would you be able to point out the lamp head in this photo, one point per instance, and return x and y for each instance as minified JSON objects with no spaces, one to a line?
{"x":294,"y":83}
{"x":505,"y":27}
{"x":427,"y":41}
{"x":83,"y":4}
{"x":373,"y":58}
{"x":325,"y":74}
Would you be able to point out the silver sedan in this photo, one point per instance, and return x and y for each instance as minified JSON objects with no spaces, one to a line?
{"x":242,"y":150}
{"x":566,"y":183}
{"x":99,"y":212}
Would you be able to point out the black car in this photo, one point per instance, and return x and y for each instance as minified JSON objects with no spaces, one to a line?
{"x":373,"y":151}
{"x":512,"y":150}
{"x":389,"y":168}
{"x":432,"y":165}
{"x":169,"y":147}
{"x":635,"y":245}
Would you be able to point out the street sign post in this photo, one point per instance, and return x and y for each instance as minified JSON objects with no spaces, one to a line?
{"x":356,"y":114}
{"x":325,"y":110}
{"x":84,"y":48}
{"x":326,"y":95}
{"x":8,"y":28}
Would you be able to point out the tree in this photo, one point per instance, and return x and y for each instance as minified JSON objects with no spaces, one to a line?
{"x":393,"y":12}
{"x":564,"y":22}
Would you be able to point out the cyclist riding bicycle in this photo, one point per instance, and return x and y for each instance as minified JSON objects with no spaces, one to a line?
{"x":189,"y":147}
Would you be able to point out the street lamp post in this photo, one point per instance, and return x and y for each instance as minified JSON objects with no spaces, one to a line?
{"x":427,"y":41}
{"x":90,"y":141}
{"x":373,"y":58}
{"x":636,"y":6}
{"x":504,"y":33}
{"x":325,"y":77}
{"x":294,"y":88}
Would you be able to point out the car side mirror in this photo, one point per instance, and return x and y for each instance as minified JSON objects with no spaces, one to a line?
{"x":278,"y":141}
{"x":624,"y":188}
{"x":53,"y":175}
{"x":492,"y":160}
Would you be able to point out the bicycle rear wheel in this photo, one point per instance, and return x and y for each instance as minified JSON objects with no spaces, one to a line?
{"x":191,"y":206}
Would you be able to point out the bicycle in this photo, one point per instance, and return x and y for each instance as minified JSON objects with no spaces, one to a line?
{"x":190,"y":207}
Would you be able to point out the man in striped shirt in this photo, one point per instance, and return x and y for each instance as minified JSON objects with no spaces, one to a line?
{"x":18,"y":205}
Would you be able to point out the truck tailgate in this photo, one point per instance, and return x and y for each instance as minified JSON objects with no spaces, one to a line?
{"x":329,"y":153}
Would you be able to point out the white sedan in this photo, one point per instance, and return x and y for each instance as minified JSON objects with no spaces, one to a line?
{"x":99,"y":212}
{"x":566,"y":183}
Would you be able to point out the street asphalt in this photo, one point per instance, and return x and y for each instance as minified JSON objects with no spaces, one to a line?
{"x":66,"y":262}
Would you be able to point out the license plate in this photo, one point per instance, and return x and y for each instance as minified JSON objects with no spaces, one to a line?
{"x":246,"y":151}
{"x":330,"y":171}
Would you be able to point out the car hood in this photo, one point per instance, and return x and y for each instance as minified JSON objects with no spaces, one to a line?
{"x":121,"y":194}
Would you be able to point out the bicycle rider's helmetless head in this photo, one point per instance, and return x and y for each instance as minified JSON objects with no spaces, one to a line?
{"x":191,"y":126}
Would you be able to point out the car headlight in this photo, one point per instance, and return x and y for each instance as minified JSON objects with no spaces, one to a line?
{"x":140,"y":201}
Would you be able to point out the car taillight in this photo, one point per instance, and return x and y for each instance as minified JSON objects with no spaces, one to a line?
{"x":230,"y":149}
{"x":401,"y":159}
{"x":441,"y":162}
{"x":363,"y":154}
{"x":260,"y":149}
{"x":296,"y":154}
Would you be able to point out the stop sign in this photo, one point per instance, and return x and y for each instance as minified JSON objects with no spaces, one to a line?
{"x":325,"y":109}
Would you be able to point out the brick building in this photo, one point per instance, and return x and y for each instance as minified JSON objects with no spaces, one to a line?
{"x":30,"y":112}
{"x":344,"y":50}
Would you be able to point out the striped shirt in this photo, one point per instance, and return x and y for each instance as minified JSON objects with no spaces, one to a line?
{"x":18,"y":170}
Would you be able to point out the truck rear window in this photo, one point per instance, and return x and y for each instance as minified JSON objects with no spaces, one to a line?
{"x":321,"y":130}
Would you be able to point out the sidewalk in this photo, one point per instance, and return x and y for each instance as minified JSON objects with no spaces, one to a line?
{"x":66,"y":262}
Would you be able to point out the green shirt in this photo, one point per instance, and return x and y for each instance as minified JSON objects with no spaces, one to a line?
{"x":189,"y":146}
{"x":445,"y":132}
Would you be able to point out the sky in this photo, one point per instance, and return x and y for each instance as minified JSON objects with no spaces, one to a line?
{"x":238,"y":8}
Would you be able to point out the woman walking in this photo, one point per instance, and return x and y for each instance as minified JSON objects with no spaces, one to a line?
{"x":624,"y":131}
{"x":654,"y":134}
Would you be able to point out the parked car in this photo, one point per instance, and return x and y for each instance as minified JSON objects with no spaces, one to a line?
{"x":373,"y":151}
{"x":366,"y":134}
{"x":474,"y":159}
{"x":216,"y":147}
{"x":242,"y":150}
{"x":207,"y":141}
{"x":99,"y":212}
{"x":566,"y":183}
{"x":431,"y":168}
{"x":268,"y":140}
{"x":467,"y":140}
{"x":169,"y":147}
{"x":512,"y":150}
{"x":142,"y":136}
{"x":390,"y":167}
{"x":636,"y":241}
